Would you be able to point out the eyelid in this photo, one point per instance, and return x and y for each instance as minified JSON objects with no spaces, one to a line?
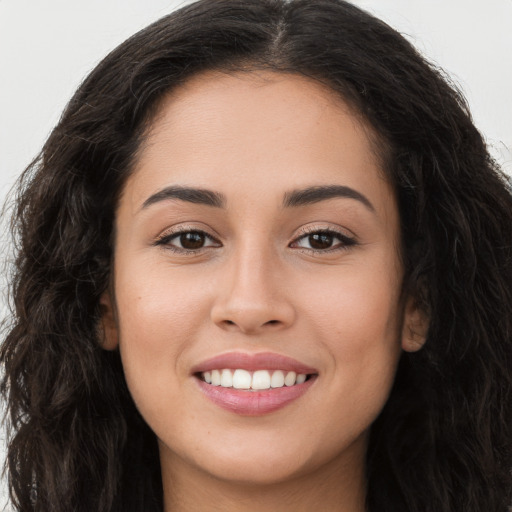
{"x":323,"y":228}
{"x":347,"y":238}
{"x":164,"y":238}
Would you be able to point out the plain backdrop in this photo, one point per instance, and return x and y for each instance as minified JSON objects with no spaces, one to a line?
{"x":48,"y":46}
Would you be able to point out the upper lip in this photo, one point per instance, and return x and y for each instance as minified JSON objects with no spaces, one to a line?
{"x":253,"y":362}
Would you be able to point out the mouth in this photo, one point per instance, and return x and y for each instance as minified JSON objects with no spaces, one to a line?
{"x":253,"y":381}
{"x":253,"y":384}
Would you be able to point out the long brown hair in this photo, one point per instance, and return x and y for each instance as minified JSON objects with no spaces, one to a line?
{"x":443,"y":441}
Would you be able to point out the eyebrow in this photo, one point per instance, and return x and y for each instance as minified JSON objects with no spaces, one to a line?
{"x":188,"y":194}
{"x":292,"y":199}
{"x":316,"y":194}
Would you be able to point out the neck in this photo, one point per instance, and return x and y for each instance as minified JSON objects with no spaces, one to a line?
{"x":334,"y":487}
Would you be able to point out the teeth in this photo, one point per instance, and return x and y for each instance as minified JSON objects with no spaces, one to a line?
{"x":277,"y":380}
{"x":289,"y":380}
{"x":261,"y":380}
{"x":242,"y":379}
{"x":301,"y":378}
{"x":215,"y":378}
{"x":258,"y":380}
{"x":226,"y":379}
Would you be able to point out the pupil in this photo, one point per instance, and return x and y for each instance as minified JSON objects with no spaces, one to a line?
{"x":192,"y":240}
{"x":320,"y":241}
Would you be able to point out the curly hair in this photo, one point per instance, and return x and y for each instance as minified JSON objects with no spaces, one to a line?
{"x":442,"y":442}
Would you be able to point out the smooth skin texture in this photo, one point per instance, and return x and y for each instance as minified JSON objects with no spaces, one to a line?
{"x":319,"y":282}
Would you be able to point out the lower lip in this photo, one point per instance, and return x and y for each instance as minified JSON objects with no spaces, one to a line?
{"x":254,"y":403}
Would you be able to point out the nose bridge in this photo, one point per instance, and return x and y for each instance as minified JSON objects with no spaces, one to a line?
{"x":251,"y":298}
{"x":253,"y":276}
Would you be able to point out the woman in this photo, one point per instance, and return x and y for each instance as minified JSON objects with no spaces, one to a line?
{"x":264,"y":262}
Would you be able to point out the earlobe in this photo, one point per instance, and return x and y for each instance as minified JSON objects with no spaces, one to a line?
{"x":415,"y":326}
{"x":107,"y":328}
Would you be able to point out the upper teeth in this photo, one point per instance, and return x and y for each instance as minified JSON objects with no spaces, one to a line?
{"x":260,"y":379}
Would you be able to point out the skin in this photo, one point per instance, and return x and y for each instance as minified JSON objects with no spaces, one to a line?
{"x":258,"y":286}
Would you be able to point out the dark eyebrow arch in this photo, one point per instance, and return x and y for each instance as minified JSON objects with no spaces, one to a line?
{"x":188,"y":194}
{"x":310,"y":195}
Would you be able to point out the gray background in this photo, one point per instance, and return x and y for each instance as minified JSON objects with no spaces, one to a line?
{"x":48,"y":46}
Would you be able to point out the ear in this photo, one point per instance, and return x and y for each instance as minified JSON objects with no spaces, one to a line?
{"x":415,"y":326}
{"x":107,"y":328}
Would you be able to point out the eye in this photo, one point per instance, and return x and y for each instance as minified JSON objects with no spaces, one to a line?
{"x":323,"y":241}
{"x":189,"y":240}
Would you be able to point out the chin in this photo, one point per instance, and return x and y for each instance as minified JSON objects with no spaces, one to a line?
{"x":259,"y":472}
{"x":253,"y":462}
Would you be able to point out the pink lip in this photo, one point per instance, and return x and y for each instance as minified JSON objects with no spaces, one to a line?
{"x":253,"y":362}
{"x":254,"y":403}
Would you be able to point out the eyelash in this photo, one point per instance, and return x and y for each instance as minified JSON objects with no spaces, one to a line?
{"x":344,"y":241}
{"x":166,"y":238}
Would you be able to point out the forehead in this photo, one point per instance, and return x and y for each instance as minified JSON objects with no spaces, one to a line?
{"x":249,"y":130}
{"x":216,"y":99}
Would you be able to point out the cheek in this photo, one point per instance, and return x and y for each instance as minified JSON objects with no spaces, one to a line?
{"x":357,"y":308}
{"x":358,"y":323}
{"x":158,"y":302}
{"x":158,"y":319}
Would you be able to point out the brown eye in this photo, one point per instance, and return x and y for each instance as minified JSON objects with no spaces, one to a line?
{"x":324,"y":240}
{"x":192,"y":240}
{"x":186,"y":241}
{"x":321,"y":240}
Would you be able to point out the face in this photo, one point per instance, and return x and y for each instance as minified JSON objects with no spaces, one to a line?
{"x":258,"y":242}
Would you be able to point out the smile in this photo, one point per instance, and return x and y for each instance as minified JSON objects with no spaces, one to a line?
{"x":253,"y":384}
{"x":258,"y":380}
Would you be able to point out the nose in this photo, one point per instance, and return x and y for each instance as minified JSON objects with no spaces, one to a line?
{"x":252,"y":296}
